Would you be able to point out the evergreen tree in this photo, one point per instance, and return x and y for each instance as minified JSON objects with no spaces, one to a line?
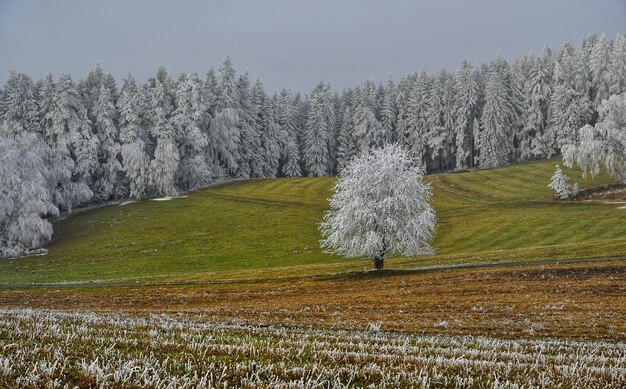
{"x":617,"y":66}
{"x":599,"y":63}
{"x":287,"y":121}
{"x":347,"y":148}
{"x":417,"y":117}
{"x":135,"y":160}
{"x":108,"y":173}
{"x":389,"y":114}
{"x":467,"y":96}
{"x":319,"y":125}
{"x":250,"y":152}
{"x":224,"y":136}
{"x":190,"y":124}
{"x":164,"y":164}
{"x":495,"y":136}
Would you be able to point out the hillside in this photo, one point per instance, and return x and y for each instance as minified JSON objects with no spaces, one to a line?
{"x":248,"y":229}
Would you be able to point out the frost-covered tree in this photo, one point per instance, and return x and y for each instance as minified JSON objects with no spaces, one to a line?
{"x":135,"y":160}
{"x":604,"y":144}
{"x":496,"y":134}
{"x":25,"y":200}
{"x":224,"y":134}
{"x":109,"y":171}
{"x":617,"y":66}
{"x":417,"y":127}
{"x":288,"y":123}
{"x":380,"y":207}
{"x":389,"y":113}
{"x":599,"y":63}
{"x":71,"y":127}
{"x":190,"y":123}
{"x":164,"y":164}
{"x":366,"y":128}
{"x":538,"y":91}
{"x":467,"y":113}
{"x":270,"y":139}
{"x":250,"y":163}
{"x":347,"y":148}
{"x":560,"y":184}
{"x":570,"y":107}
{"x":319,"y":126}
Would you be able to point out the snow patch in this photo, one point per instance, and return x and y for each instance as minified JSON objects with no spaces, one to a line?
{"x":127,"y":202}
{"x":168,"y":198}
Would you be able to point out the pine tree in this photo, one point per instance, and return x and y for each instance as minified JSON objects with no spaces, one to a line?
{"x":287,"y":121}
{"x":417,"y":117}
{"x":164,"y":164}
{"x":495,"y":137}
{"x":560,"y":184}
{"x":347,"y":148}
{"x":71,"y":127}
{"x":319,"y":124}
{"x":270,"y":139}
{"x":538,"y":91}
{"x":599,"y":63}
{"x":190,"y":124}
{"x":617,"y":66}
{"x":367,"y":129}
{"x":467,"y":95}
{"x":109,"y":169}
{"x":389,"y":115}
{"x":135,"y":160}
{"x":251,"y":160}
{"x":224,"y":136}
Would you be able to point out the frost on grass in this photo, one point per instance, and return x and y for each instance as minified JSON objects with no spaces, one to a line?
{"x":52,"y":349}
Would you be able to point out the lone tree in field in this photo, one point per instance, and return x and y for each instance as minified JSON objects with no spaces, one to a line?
{"x":560,"y":184}
{"x":380,"y":206}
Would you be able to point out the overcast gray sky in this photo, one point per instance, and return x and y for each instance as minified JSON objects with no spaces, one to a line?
{"x":287,"y":42}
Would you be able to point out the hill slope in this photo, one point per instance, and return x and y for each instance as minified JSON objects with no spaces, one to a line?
{"x":269,"y":228}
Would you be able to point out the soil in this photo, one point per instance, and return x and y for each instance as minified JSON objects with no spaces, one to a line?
{"x":612,"y":192}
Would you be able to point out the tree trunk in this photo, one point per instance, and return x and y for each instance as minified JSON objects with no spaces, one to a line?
{"x":379,"y":261}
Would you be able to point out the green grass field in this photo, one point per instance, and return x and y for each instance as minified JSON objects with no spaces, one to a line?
{"x":256,"y":228}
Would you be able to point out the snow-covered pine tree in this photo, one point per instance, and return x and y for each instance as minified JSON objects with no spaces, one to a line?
{"x":164,"y":164}
{"x":71,"y":126}
{"x":599,"y":63}
{"x":495,"y":137}
{"x":270,"y":139}
{"x":389,"y":112}
{"x":617,"y":66}
{"x":570,"y":107}
{"x":560,"y":184}
{"x":538,"y":91}
{"x":366,"y":128}
{"x":397,"y":217}
{"x":417,"y":117}
{"x":347,"y":148}
{"x":135,"y":160}
{"x":286,"y":119}
{"x":319,"y":126}
{"x":190,"y":124}
{"x":109,"y":171}
{"x":224,"y":136}
{"x":467,"y":112}
{"x":251,"y":159}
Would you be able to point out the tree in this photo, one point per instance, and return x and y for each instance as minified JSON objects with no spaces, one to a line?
{"x":560,"y":184}
{"x":617,"y":66}
{"x":224,"y":134}
{"x":496,"y":135}
{"x":467,"y":95}
{"x":190,"y":122}
{"x":380,"y":206}
{"x":251,"y":160}
{"x":319,"y":127}
{"x":389,"y":115}
{"x":604,"y":144}
{"x":166,"y":157}
{"x":287,"y":121}
{"x":135,"y":160}
{"x":347,"y":148}
{"x":109,"y":165}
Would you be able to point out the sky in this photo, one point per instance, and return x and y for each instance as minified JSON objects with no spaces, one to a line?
{"x":288,"y":43}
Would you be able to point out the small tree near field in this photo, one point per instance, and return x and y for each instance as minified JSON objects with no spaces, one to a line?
{"x":380,"y":206}
{"x":560,"y":184}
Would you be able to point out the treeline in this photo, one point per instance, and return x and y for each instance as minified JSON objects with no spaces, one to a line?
{"x":65,"y":144}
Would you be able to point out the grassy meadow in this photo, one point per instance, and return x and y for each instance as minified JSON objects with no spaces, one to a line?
{"x":268,"y":228}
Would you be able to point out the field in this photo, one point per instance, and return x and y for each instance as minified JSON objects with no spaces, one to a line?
{"x":229,"y":284}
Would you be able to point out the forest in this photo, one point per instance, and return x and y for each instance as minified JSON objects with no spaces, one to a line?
{"x":67,"y":144}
